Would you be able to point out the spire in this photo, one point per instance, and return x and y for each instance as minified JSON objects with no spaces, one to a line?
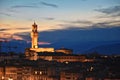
{"x":34,"y":23}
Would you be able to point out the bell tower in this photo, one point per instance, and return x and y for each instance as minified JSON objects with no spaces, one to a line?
{"x":34,"y":36}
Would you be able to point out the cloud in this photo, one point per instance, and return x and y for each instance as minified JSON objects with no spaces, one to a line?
{"x":9,"y":37}
{"x":5,"y":35}
{"x":2,"y":40}
{"x":63,"y":37}
{"x":24,"y":35}
{"x":5,"y":25}
{"x":49,"y":4}
{"x":5,"y":14}
{"x":116,"y":15}
{"x":80,"y":21}
{"x":73,"y":38}
{"x":44,"y":43}
{"x":84,"y":25}
{"x":15,"y":37}
{"x":49,"y":18}
{"x":10,"y":10}
{"x":21,"y":28}
{"x":3,"y":29}
{"x":20,"y":36}
{"x":25,"y":6}
{"x":109,"y":10}
{"x":107,"y":24}
{"x":13,"y":30}
{"x":111,"y":23}
{"x":113,"y":11}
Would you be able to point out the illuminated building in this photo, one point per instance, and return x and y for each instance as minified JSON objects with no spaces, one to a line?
{"x":34,"y":36}
{"x":71,"y":74}
{"x":59,"y":55}
{"x":34,"y":46}
{"x":42,"y":49}
{"x":28,"y":70}
{"x":64,"y":50}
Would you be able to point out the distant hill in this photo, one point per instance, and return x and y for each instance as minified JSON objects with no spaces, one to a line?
{"x":106,"y":49}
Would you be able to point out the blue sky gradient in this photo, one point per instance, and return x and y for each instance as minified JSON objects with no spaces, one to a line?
{"x":66,"y":21}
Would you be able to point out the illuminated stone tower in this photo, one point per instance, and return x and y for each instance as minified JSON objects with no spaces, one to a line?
{"x":34,"y":36}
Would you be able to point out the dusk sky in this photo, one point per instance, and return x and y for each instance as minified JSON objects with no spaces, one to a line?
{"x":61,"y":21}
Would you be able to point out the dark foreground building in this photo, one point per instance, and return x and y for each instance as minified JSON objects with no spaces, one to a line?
{"x":24,"y":69}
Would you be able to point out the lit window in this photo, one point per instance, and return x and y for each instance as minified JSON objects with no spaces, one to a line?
{"x":40,"y":72}
{"x":66,"y":62}
{"x":3,"y":77}
{"x":35,"y":72}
